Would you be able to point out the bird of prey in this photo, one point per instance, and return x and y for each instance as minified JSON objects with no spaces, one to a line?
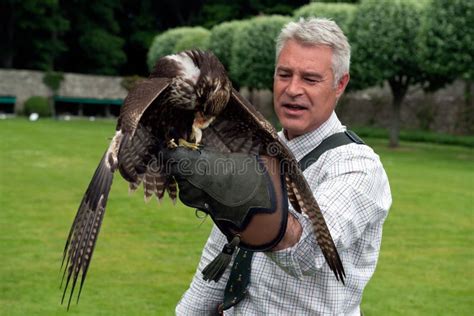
{"x":187,"y":100}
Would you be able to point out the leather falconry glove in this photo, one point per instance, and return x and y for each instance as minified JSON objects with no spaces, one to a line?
{"x":242,"y":193}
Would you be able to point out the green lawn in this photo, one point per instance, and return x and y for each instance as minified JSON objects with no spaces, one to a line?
{"x":146,"y":254}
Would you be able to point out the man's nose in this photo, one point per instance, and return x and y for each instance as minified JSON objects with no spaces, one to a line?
{"x":294,"y":88}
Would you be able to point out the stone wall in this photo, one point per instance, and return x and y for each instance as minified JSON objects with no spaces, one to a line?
{"x":444,"y":111}
{"x":27,"y":83}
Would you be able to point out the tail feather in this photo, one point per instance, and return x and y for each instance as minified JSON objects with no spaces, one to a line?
{"x":172,"y":189}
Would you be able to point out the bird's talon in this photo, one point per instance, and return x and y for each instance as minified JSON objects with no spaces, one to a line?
{"x":184,"y":143}
{"x":172,"y":144}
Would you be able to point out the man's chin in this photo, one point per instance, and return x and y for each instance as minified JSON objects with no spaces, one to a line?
{"x":293,"y":131}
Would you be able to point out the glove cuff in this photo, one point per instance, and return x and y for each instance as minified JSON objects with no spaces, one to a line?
{"x":244,"y":200}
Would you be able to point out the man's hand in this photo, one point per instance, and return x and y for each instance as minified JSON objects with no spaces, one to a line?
{"x":292,"y":234}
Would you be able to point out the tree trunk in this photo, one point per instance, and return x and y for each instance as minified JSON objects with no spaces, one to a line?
{"x":399,"y":87}
{"x":52,"y":104}
{"x":251,"y":97}
{"x":395,"y":122}
{"x":467,"y":113}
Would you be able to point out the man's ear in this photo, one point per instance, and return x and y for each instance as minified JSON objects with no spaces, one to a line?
{"x":342,"y":84}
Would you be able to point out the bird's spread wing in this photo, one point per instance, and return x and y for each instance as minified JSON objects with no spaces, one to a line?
{"x":85,"y":228}
{"x":132,"y":152}
{"x":137,"y":102}
{"x":137,"y":154}
{"x":138,"y":164}
{"x":241,"y":128}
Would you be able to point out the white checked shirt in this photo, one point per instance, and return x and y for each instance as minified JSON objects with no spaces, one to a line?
{"x":352,"y":189}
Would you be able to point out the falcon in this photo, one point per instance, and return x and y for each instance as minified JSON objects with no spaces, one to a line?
{"x":189,"y":101}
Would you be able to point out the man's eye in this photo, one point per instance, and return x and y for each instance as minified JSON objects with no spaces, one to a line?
{"x":284,"y":75}
{"x":310,"y":80}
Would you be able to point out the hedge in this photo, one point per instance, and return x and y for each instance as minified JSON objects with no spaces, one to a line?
{"x":37,"y":104}
{"x":222,"y":38}
{"x":253,"y":51}
{"x":175,"y":40}
{"x":341,"y":13}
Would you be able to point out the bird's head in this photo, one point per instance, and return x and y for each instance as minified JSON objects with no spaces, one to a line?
{"x":216,"y":94}
{"x":213,"y":87}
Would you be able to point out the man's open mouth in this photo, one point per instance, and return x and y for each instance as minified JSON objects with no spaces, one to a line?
{"x":294,"y":106}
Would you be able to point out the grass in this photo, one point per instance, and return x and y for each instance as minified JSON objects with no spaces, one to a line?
{"x":417,"y":136}
{"x":146,"y":255}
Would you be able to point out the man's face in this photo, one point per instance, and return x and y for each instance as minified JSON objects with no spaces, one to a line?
{"x":303,"y":87}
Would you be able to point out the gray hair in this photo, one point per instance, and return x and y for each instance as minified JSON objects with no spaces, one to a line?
{"x":319,"y":31}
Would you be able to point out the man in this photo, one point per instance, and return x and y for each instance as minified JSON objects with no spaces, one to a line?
{"x":349,"y":183}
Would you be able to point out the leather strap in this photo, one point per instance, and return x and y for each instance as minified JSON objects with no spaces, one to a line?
{"x":333,"y":141}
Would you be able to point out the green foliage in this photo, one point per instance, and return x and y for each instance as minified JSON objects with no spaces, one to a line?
{"x":53,"y":80}
{"x":341,"y":13}
{"x":94,"y":43}
{"x":383,"y":39}
{"x":222,"y":39}
{"x":31,"y":33}
{"x":198,"y":38}
{"x":214,"y":12}
{"x":104,"y":50}
{"x":37,"y":104}
{"x":175,"y":40}
{"x":253,"y":52}
{"x":335,"y":1}
{"x":447,"y":39}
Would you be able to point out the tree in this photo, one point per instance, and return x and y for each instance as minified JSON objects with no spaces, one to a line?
{"x":32,"y":33}
{"x":336,"y":1}
{"x":447,"y":49}
{"x":384,"y":48}
{"x":93,"y":38}
{"x":214,"y":12}
{"x":52,"y":80}
{"x":138,"y":26}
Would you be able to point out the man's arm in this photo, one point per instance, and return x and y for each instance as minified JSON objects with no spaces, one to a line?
{"x":203,"y":298}
{"x":353,"y":192}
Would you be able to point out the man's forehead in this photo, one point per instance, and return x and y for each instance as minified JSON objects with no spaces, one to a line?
{"x":308,"y":45}
{"x":310,"y":59}
{"x":293,"y":47}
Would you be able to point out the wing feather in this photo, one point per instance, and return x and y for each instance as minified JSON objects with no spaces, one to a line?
{"x":138,"y":100}
{"x":85,"y":229}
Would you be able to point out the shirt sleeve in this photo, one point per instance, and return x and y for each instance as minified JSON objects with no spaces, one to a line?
{"x":352,"y":190}
{"x":202,"y":298}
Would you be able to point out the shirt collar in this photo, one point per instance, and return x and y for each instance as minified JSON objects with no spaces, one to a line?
{"x":303,"y":144}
